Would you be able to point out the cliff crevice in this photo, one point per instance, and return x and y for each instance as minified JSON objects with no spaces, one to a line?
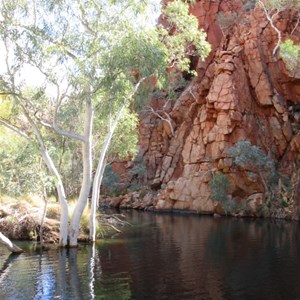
{"x":242,"y":92}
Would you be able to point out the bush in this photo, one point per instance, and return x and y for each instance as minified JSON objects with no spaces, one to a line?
{"x":290,"y":53}
{"x":252,"y":158}
{"x":111,"y":180}
{"x":219,"y":187}
{"x":137,"y":175}
{"x":283,"y":203}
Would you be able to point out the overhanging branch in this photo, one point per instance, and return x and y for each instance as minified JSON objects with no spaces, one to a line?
{"x":14,"y":128}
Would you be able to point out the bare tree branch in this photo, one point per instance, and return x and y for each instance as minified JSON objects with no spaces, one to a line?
{"x":14,"y":128}
{"x":9,"y":94}
{"x":270,"y":18}
{"x":167,"y":119}
{"x":66,"y":133}
{"x":191,"y":92}
{"x":297,"y":23}
{"x":83,"y":20}
{"x":54,"y":127}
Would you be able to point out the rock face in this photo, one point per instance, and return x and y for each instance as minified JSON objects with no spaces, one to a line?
{"x":242,"y":92}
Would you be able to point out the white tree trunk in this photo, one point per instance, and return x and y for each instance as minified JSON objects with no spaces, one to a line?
{"x":99,"y":174}
{"x":86,"y":176}
{"x":63,"y":239}
{"x":101,"y":164}
{"x":9,"y":245}
{"x":63,"y":226}
{"x":63,"y":233}
{"x":95,"y":200}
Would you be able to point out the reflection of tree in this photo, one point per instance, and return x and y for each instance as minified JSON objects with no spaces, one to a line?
{"x":166,"y":257}
{"x":74,"y":273}
{"x":112,"y":278}
{"x":62,"y":274}
{"x":91,"y":267}
{"x":6,"y":266}
{"x":45,"y":278}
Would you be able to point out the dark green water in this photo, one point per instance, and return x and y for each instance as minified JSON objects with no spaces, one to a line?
{"x":165,"y":257}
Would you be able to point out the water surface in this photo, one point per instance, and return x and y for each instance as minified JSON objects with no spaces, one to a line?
{"x":165,"y":257}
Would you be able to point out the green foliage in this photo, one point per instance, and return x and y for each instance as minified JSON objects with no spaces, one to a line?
{"x":124,"y":141}
{"x":137,"y":175}
{"x":290,"y":53}
{"x":283,"y":203}
{"x":21,"y":171}
{"x":251,"y":158}
{"x":88,"y":50}
{"x":228,"y":19}
{"x":219,"y":187}
{"x":281,"y":4}
{"x":111,"y":180}
{"x":184,"y":33}
{"x":249,"y":4}
{"x":231,"y":206}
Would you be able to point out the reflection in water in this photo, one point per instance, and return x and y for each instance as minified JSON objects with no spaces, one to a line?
{"x":4,"y":271}
{"x":165,"y":257}
{"x":45,"y":280}
{"x":91,"y":268}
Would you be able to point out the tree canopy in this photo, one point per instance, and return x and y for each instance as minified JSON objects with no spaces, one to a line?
{"x":89,"y":59}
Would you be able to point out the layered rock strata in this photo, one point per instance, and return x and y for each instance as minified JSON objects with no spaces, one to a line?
{"x":242,"y":92}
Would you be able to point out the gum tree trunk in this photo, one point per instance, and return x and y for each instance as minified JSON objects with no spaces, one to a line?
{"x":99,"y":175}
{"x":87,"y":176}
{"x":63,"y":234}
{"x":63,"y":227}
{"x":101,"y":164}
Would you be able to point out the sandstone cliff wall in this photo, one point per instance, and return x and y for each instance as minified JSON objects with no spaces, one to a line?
{"x":242,"y":92}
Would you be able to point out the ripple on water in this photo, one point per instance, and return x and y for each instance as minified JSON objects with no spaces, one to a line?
{"x":167,"y":257}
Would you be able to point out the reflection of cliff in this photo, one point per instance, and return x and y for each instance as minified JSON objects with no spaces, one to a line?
{"x":253,"y":252}
{"x":187,"y":257}
{"x":242,"y":92}
{"x":165,"y":257}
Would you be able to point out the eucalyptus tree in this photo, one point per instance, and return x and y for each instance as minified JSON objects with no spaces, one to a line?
{"x":93,"y":57}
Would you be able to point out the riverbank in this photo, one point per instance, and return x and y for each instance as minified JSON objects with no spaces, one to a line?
{"x":255,"y":207}
{"x":21,"y":219}
{"x":164,"y":256}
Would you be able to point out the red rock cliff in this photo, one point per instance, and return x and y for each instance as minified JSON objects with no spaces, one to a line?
{"x":242,"y":92}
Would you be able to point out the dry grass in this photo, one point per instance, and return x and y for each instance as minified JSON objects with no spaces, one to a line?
{"x":85,"y":221}
{"x":21,"y":218}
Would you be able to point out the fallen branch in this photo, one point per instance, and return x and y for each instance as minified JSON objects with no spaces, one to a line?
{"x":9,"y":245}
{"x":112,"y":226}
{"x":121,"y":221}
